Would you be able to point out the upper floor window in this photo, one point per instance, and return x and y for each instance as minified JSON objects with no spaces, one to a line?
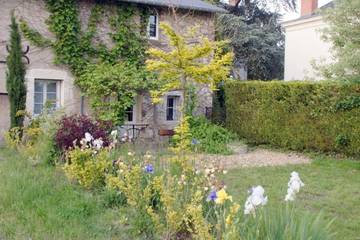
{"x":46,"y":93}
{"x":153,"y":26}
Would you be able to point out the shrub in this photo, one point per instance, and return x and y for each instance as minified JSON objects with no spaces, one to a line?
{"x":209,"y":137}
{"x":296,"y":115}
{"x":87,"y":167}
{"x":73,"y":128}
{"x":35,"y":141}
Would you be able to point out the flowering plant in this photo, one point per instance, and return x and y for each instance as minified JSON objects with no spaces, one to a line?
{"x":72,"y":130}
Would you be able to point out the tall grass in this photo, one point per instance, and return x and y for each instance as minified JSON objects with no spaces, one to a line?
{"x":37,"y":202}
{"x":284,"y":224}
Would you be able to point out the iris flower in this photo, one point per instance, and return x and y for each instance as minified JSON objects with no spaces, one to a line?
{"x":149,"y":168}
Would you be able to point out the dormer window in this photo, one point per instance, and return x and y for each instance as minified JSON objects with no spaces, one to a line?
{"x":153,"y":26}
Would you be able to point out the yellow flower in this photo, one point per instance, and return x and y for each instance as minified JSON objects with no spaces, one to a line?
{"x":228,"y":220}
{"x":222,"y":196}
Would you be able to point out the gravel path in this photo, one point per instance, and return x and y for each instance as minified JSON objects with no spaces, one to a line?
{"x":245,"y":157}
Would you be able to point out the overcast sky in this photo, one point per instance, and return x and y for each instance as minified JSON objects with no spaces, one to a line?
{"x":293,"y":15}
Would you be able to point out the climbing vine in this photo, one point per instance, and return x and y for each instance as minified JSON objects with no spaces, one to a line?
{"x":93,"y":61}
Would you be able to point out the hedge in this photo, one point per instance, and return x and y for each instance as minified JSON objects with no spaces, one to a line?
{"x":296,"y":115}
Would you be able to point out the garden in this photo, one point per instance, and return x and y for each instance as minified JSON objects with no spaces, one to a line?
{"x":100,"y":188}
{"x":78,"y":177}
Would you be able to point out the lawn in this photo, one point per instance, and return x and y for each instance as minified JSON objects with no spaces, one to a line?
{"x":38,"y":202}
{"x":331,"y":187}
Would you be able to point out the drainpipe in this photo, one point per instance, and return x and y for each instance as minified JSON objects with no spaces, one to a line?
{"x":82,"y":104}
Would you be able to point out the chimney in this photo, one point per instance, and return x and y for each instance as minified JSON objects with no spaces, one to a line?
{"x":308,"y":7}
{"x":232,"y":2}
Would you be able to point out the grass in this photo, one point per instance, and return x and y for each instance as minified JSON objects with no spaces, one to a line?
{"x":37,"y":202}
{"x":332,"y":187}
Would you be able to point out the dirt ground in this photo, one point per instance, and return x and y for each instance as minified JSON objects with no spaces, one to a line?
{"x":244,"y":156}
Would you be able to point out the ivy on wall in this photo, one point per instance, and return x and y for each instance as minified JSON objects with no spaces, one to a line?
{"x":87,"y":60}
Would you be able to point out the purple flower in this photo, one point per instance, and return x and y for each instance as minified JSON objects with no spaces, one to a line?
{"x":149,"y":168}
{"x":195,"y":141}
{"x":212,"y":196}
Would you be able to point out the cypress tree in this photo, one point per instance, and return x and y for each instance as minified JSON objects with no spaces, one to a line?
{"x":15,"y":75}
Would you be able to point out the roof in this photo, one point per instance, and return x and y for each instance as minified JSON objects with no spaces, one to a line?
{"x":197,"y":5}
{"x":313,"y":14}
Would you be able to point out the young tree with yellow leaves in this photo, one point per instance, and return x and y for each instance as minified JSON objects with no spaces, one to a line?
{"x":185,"y":65}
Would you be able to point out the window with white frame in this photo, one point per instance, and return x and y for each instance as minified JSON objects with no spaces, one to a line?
{"x":172,"y":107}
{"x":153,"y":26}
{"x":46,"y":93}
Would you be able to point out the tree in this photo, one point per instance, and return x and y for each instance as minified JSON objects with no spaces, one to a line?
{"x":15,"y":76}
{"x":256,"y":38}
{"x":344,"y":34}
{"x":183,"y":67}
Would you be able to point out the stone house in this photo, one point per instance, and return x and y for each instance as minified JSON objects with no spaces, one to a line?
{"x":304,"y":44}
{"x":47,"y":81}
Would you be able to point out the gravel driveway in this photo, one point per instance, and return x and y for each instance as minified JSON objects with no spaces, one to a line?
{"x":246,"y":157}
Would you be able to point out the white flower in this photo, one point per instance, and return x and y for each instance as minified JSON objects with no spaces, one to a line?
{"x":83,"y":142}
{"x":88,"y":137}
{"x":114,"y":133}
{"x":255,"y":200}
{"x":98,"y":143}
{"x":294,"y":186}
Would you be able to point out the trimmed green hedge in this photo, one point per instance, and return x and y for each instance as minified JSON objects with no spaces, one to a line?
{"x":296,"y":115}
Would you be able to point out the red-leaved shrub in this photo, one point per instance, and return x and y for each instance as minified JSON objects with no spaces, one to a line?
{"x":74,"y":127}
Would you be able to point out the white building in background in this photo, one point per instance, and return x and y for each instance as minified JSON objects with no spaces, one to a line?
{"x":303,"y":43}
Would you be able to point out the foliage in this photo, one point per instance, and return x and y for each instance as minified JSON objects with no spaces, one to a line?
{"x":15,"y":76}
{"x":182,"y":137}
{"x":71,"y":129}
{"x":297,"y":115}
{"x":183,"y":66}
{"x":33,"y":36}
{"x":35,"y":140}
{"x":38,"y":202}
{"x":92,"y":62}
{"x":326,"y":178}
{"x":343,"y":33}
{"x":208,"y":137}
{"x":112,"y":88}
{"x":285,"y":223}
{"x":87,"y":168}
{"x":256,"y":38}
{"x":218,"y":115}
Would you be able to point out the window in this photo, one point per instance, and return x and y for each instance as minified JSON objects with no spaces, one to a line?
{"x":46,"y":93}
{"x":153,"y":26}
{"x":129,"y":114}
{"x":171,"y":108}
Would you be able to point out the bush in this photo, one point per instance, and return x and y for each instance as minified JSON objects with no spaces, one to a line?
{"x":35,"y":141}
{"x":86,"y":167}
{"x":296,"y":115}
{"x":73,"y":128}
{"x":209,"y":137}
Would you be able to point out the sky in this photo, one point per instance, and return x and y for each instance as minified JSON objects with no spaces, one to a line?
{"x":292,"y":15}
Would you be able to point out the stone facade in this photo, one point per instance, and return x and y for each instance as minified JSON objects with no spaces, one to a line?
{"x":42,"y":67}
